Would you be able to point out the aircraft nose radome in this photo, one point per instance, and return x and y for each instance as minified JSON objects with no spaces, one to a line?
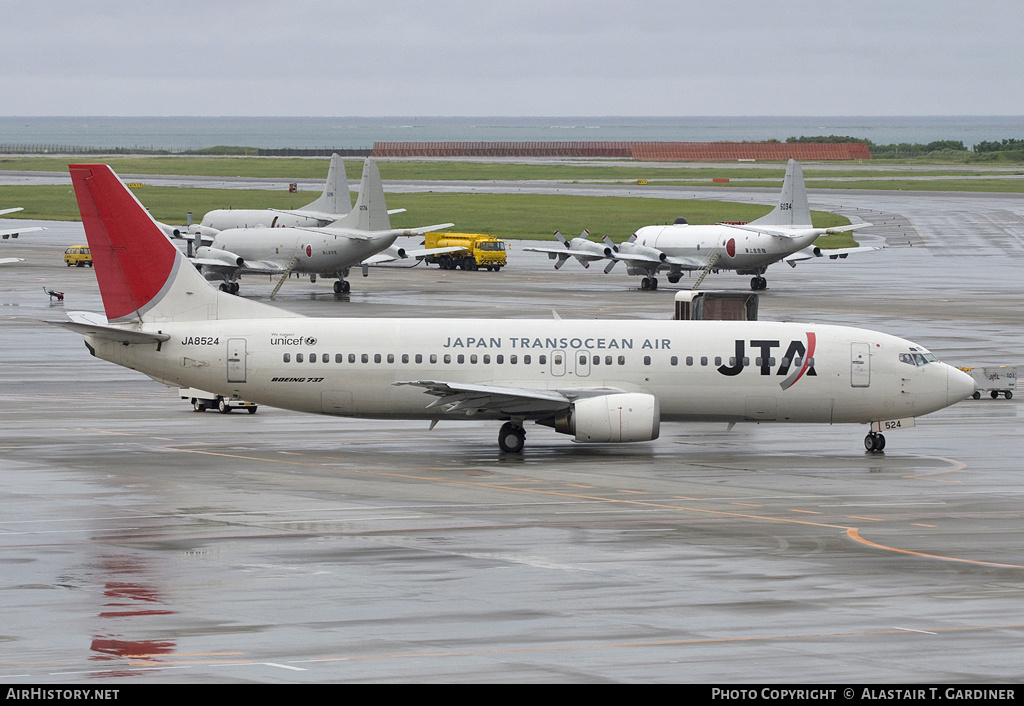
{"x":959,"y":385}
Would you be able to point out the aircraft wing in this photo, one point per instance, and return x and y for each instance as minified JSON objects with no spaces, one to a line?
{"x":811,"y":252}
{"x":261,"y":267}
{"x":567,"y":252}
{"x":492,"y":400}
{"x":15,"y":232}
{"x":683,"y":263}
{"x":498,"y":401}
{"x":556,"y":251}
{"x":9,"y":260}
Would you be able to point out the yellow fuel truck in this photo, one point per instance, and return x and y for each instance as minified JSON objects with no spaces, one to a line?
{"x":479,"y":251}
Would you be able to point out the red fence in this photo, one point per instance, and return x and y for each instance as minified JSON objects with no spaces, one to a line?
{"x":728,"y":151}
{"x":502,"y":149}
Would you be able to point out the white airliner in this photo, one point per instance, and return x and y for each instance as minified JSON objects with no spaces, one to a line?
{"x":599,"y":381}
{"x":785,"y":234}
{"x":15,"y":232}
{"x":361,"y":237}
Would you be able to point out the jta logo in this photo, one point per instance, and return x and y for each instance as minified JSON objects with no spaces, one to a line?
{"x":797,"y":361}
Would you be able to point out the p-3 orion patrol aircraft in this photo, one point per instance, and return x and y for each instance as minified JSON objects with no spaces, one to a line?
{"x":785,"y":235}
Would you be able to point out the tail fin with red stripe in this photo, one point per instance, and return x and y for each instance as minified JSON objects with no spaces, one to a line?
{"x":141,"y":274}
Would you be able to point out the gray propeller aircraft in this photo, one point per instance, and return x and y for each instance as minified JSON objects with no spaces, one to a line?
{"x":360,"y":238}
{"x":784,"y":235}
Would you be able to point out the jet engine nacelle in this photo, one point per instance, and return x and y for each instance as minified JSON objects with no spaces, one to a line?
{"x":626,"y":416}
{"x":226,"y":256}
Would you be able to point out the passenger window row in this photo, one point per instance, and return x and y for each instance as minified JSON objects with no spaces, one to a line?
{"x":514,"y":359}
{"x":418,"y":358}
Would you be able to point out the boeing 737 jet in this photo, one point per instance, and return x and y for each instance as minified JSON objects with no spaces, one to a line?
{"x":785,"y":234}
{"x":598,"y":381}
{"x":362,"y":237}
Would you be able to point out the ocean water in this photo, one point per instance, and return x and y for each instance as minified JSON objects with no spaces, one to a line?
{"x":187,"y":133}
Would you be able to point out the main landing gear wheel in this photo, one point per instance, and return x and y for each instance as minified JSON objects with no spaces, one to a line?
{"x":874,"y":442}
{"x":758,"y":283}
{"x":511,"y":438}
{"x":230,"y":287}
{"x":342,"y":286}
{"x":650,"y":283}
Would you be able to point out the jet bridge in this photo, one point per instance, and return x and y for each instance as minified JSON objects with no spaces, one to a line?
{"x":707,"y":305}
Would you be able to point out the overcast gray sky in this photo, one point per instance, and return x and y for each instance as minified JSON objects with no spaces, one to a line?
{"x":526,"y":57}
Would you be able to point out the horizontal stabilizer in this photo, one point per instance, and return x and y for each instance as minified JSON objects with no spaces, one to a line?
{"x":811,"y":252}
{"x":798,"y":232}
{"x":322,"y":216}
{"x":422,"y":230}
{"x":392,"y":254}
{"x":112,"y":333}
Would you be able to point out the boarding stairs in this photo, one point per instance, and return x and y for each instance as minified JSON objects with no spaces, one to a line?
{"x":286,"y":275}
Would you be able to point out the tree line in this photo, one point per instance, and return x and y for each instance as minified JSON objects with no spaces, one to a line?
{"x":1009,"y":149}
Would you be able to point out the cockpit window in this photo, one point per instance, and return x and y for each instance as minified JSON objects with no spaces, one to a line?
{"x":917,"y":359}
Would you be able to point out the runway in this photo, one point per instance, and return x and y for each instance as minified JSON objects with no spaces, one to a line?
{"x":143,"y":542}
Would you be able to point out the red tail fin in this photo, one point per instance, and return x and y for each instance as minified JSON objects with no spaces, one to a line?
{"x":132,"y":257}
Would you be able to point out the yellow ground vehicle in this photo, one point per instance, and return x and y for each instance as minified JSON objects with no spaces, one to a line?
{"x":78,"y":255}
{"x":481,"y":251}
